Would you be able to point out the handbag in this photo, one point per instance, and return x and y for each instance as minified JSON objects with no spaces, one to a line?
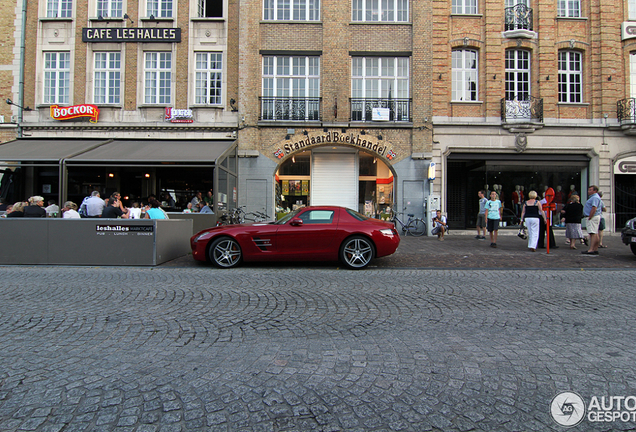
{"x":522,"y":234}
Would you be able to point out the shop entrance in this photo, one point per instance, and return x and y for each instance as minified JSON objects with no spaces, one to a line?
{"x":335,"y":176}
{"x":467,"y":174}
{"x":625,"y":195}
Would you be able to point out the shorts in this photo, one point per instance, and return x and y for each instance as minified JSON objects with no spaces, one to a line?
{"x":493,"y":225}
{"x":592,"y":224}
{"x":481,"y":220}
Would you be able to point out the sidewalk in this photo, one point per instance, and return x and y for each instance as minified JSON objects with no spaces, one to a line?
{"x":461,"y":250}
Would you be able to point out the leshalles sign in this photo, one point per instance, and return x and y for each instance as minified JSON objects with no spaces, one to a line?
{"x":336,"y":138}
{"x":127,"y":34}
{"x":75,"y":111}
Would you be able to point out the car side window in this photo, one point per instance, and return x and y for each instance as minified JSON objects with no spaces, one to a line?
{"x":317,"y":217}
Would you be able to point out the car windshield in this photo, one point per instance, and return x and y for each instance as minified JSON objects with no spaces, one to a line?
{"x":288,"y":217}
{"x":357,"y":215}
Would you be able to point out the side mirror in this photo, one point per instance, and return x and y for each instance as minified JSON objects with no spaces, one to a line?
{"x":296,"y":222}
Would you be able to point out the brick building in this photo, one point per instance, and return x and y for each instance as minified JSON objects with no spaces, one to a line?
{"x":134,"y":96}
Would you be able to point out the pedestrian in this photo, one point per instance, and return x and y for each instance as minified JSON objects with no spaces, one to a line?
{"x":592,"y":213}
{"x":572,"y":215}
{"x":439,"y":225}
{"x":531,"y":213}
{"x":543,"y":228}
{"x":481,"y":216}
{"x":601,"y":225}
{"x":494,"y":211}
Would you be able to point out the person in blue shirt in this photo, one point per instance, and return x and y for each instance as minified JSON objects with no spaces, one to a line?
{"x":494,"y":211}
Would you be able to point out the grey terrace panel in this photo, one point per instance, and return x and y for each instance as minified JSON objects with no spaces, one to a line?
{"x":44,"y":150}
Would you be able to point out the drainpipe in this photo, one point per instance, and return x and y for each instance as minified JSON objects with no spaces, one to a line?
{"x":21,"y":83}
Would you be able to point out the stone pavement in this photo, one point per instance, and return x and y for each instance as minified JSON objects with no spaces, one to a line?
{"x":312,"y":348}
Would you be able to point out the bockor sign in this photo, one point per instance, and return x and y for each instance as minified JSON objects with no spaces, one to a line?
{"x":75,"y":111}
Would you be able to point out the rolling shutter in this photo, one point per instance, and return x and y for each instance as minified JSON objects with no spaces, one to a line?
{"x":334,"y":179}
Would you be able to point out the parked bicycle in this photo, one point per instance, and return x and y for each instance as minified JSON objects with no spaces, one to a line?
{"x":257,"y":216}
{"x":413,"y":226}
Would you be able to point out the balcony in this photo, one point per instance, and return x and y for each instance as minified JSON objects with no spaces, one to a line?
{"x":519,"y":22}
{"x":528,"y":110}
{"x":290,"y":109}
{"x":626,"y":115}
{"x":399,"y":110}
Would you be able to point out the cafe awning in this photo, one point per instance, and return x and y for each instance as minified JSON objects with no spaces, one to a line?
{"x":149,"y":152}
{"x":45,"y":151}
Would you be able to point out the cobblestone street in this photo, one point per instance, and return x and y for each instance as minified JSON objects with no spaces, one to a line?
{"x":309,"y":349}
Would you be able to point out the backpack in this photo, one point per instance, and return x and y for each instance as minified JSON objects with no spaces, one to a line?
{"x":83,"y":210}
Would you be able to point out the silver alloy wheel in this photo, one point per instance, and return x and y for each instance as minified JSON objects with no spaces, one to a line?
{"x":356,"y":252}
{"x":225,"y":252}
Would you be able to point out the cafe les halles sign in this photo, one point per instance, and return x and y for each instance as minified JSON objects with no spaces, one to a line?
{"x":360,"y":141}
{"x":130,"y":34}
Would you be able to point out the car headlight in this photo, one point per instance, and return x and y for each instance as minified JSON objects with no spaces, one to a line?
{"x":387,"y":232}
{"x":197,"y":238}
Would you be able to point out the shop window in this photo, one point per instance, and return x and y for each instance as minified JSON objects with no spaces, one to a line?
{"x":465,"y":70}
{"x":464,"y":7}
{"x":57,"y":74}
{"x":570,"y":77}
{"x":210,"y":8}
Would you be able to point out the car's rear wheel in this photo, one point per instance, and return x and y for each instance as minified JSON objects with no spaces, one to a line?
{"x":357,"y":252}
{"x":225,"y":252}
{"x":633,"y":247}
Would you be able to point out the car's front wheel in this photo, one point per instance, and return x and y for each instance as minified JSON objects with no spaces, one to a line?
{"x":225,"y":252}
{"x":632,"y":246}
{"x":357,"y":252}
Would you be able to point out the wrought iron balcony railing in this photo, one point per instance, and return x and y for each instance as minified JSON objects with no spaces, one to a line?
{"x":518,"y":17}
{"x":399,"y":109}
{"x":626,"y":111}
{"x":290,"y":108}
{"x":529,"y":109}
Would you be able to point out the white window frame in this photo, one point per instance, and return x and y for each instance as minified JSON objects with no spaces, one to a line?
{"x":380,"y":10}
{"x":570,"y":65}
{"x":208,"y":82}
{"x":160,"y":8}
{"x":517,"y":74}
{"x":107,"y":78}
{"x":380,"y":77}
{"x":465,"y":7}
{"x":57,"y":74}
{"x":465,"y":71}
{"x":569,"y":8}
{"x":632,"y":75}
{"x":631,"y":10}
{"x":109,"y":8}
{"x":59,"y":8}
{"x":202,"y":12}
{"x":283,"y":76}
{"x":157,"y":70}
{"x":291,"y":10}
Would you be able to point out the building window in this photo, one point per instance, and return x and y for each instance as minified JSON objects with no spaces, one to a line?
{"x":517,"y":75}
{"x":632,"y":75}
{"x":210,"y":8}
{"x":158,"y":78}
{"x":208,"y":83}
{"x":380,"y":82}
{"x":107,"y":78}
{"x":570,"y":77}
{"x":569,"y":8}
{"x":291,"y":10}
{"x":59,"y":8}
{"x":631,"y":6}
{"x":291,"y":88}
{"x":464,"y":75}
{"x":109,"y":8}
{"x":381,"y":10}
{"x":57,"y":73}
{"x":465,"y":7}
{"x":159,"y":8}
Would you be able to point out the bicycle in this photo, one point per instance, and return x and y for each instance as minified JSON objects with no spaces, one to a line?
{"x":413,"y":226}
{"x":257,"y":216}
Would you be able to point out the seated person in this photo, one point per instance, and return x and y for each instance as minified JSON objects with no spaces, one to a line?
{"x":113,"y":210}
{"x":439,"y":225}
{"x":70,"y":211}
{"x":204,"y":208}
{"x":53,"y":209}
{"x":35,"y":208}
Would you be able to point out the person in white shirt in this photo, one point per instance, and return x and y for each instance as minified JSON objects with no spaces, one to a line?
{"x":53,"y":209}
{"x":70,"y":210}
{"x":135,"y":211}
{"x":439,"y":225}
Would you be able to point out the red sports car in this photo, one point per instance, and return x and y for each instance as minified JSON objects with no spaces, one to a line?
{"x":321,"y":233}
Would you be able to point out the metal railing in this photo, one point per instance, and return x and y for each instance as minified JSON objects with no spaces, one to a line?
{"x":290,"y":108}
{"x":529,"y":109}
{"x":399,"y":109}
{"x":518,"y":17}
{"x":626,"y":111}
